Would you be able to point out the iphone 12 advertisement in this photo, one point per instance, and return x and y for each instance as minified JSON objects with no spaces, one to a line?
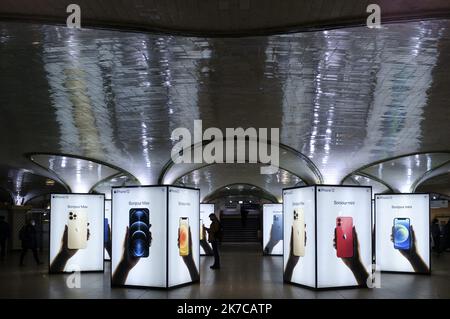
{"x":139,"y":236}
{"x":327,"y":236}
{"x":184,"y":236}
{"x":205,"y":222}
{"x":402,"y":232}
{"x":344,"y":236}
{"x":299,"y":236}
{"x":76,"y":232}
{"x":107,"y":230}
{"x":273,"y":229}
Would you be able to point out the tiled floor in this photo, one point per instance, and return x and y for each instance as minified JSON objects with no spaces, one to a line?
{"x":245,"y":273}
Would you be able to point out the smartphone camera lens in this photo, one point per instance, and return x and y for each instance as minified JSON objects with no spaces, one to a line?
{"x":70,"y":213}
{"x":70,"y":217}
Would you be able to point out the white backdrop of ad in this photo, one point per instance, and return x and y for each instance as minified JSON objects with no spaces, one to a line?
{"x":349,"y":208}
{"x":184,"y":235}
{"x":205,"y":211}
{"x":140,"y":258}
{"x":273,"y":229}
{"x":396,"y":249}
{"x":299,"y":235}
{"x":76,"y":232}
{"x":107,"y":227}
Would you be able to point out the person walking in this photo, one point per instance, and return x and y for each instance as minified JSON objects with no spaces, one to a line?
{"x":28,"y":236}
{"x":446,"y":239}
{"x":215,"y":237}
{"x":5,"y":233}
{"x":436,"y":234}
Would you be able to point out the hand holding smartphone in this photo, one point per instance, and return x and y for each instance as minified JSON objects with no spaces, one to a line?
{"x":402,"y":233}
{"x":277,"y":225}
{"x":344,"y":237}
{"x":299,"y":233}
{"x":139,"y":228}
{"x":77,"y":230}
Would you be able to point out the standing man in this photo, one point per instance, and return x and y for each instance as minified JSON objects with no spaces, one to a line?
{"x":28,"y":236}
{"x":4,"y":236}
{"x":215,"y":236}
{"x":436,"y":234}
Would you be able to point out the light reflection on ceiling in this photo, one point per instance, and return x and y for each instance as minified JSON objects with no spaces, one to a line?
{"x":403,"y":174}
{"x":343,"y":98}
{"x":214,"y":177}
{"x":104,"y":187}
{"x":22,"y":185}
{"x":80,"y":175}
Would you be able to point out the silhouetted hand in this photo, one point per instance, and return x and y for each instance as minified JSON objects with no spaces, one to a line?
{"x":59,"y":262}
{"x":354,"y":263}
{"x":128,"y":259}
{"x":206,"y":247}
{"x":127,"y":262}
{"x":189,"y":259}
{"x":273,"y":240}
{"x":412,"y":254}
{"x":108,"y":243}
{"x":292,"y":259}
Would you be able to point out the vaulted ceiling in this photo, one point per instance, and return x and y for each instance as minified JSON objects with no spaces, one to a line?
{"x":342,"y":98}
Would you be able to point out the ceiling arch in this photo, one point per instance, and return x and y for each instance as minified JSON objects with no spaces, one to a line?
{"x":22,"y":184}
{"x":104,"y":186}
{"x":290,"y":160}
{"x":405,"y":172}
{"x":378,"y":186}
{"x":240,"y":189}
{"x":439,"y":184}
{"x":343,"y":97}
{"x":80,"y":174}
{"x":213,"y":177}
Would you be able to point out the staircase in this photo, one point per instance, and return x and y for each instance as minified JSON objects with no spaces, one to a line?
{"x":233,"y":230}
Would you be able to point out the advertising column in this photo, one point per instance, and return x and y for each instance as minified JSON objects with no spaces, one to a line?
{"x":205,"y":222}
{"x":402,"y":232}
{"x":76,"y":232}
{"x":299,"y":251}
{"x":139,"y":236}
{"x":344,"y":236}
{"x":107,"y":229}
{"x":273,"y":229}
{"x":183,"y":236}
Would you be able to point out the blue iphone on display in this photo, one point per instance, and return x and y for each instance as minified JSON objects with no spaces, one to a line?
{"x":402,"y":234}
{"x":139,"y":232}
{"x":277,"y":226}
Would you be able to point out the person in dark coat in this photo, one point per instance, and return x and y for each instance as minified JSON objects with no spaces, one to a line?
{"x":436,"y":234}
{"x":28,"y":236}
{"x":5,"y":233}
{"x":446,"y":239}
{"x":215,"y":237}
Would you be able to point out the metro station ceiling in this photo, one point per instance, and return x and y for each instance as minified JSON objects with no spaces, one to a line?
{"x":343,"y":98}
{"x":22,"y":185}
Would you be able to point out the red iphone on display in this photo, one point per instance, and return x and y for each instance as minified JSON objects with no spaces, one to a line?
{"x":344,"y":237}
